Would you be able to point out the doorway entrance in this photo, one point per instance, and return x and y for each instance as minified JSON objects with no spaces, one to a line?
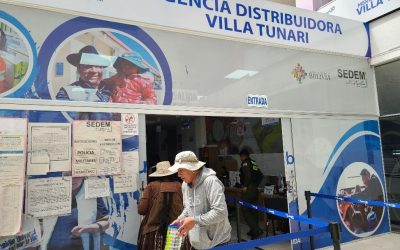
{"x":218,"y":141}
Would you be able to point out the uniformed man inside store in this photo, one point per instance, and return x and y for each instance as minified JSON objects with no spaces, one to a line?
{"x":250,"y":178}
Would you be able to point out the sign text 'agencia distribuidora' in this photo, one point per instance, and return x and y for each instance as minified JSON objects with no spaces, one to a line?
{"x":261,"y":21}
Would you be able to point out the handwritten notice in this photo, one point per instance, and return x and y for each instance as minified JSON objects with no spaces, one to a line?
{"x":11,"y":207}
{"x":49,"y":196}
{"x":13,"y":136}
{"x":49,"y":146}
{"x":97,"y":147}
{"x":38,"y":163}
{"x":130,"y":124}
{"x":97,"y":187}
{"x":127,"y":181}
{"x":130,"y":162}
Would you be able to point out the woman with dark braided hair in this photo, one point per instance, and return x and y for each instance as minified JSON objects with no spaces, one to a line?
{"x":161,"y":203}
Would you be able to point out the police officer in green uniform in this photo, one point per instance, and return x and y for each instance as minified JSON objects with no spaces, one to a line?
{"x":250,"y":178}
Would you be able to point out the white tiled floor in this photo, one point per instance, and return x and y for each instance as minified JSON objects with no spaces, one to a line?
{"x":244,"y":229}
{"x":390,"y":241}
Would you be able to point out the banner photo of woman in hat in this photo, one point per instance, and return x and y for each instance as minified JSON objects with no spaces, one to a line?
{"x":129,"y":84}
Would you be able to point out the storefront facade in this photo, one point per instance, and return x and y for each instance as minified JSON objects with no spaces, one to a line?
{"x":229,"y":59}
{"x":382,"y":17}
{"x":386,"y":62}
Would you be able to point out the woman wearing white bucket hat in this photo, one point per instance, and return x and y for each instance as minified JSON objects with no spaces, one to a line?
{"x":205,"y":214}
{"x":161,"y":203}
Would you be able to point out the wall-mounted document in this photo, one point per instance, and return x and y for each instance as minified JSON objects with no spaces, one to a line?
{"x":49,"y":148}
{"x":127,"y":181}
{"x":97,"y":147}
{"x":97,"y":187}
{"x":12,"y":173}
{"x":49,"y":196}
{"x":38,"y":163}
{"x":130,"y":124}
{"x":130,"y":162}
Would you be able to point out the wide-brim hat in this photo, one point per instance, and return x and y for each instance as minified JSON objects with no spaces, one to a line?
{"x":133,"y":58}
{"x":162,"y":169}
{"x":88,"y":55}
{"x":187,"y":160}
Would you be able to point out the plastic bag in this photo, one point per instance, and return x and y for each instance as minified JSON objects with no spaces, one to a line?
{"x":173,"y":240}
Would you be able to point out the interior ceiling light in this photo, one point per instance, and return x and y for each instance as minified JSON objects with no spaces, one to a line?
{"x":240,"y":73}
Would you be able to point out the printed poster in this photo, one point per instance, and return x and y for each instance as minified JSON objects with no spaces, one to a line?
{"x":12,"y":173}
{"x":130,"y":124}
{"x":97,"y":147}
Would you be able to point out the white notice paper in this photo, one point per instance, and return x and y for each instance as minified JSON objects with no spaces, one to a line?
{"x":52,"y":140}
{"x":49,"y":196}
{"x":127,"y":182}
{"x":11,"y":143}
{"x":97,"y":187}
{"x":97,"y":147}
{"x":130,"y":162}
{"x":11,"y":207}
{"x":12,"y":173}
{"x":38,"y":163}
{"x":130,"y":124}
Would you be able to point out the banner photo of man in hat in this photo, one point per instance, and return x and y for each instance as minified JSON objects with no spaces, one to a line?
{"x":113,"y":68}
{"x":90,"y":77}
{"x":360,"y":181}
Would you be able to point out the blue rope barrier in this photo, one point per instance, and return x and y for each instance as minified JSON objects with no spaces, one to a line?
{"x":357,"y":201}
{"x":230,"y":200}
{"x":284,"y":215}
{"x":273,"y":239}
{"x":314,"y":222}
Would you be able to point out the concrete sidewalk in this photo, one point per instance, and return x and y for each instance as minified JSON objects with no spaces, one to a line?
{"x":389,"y":241}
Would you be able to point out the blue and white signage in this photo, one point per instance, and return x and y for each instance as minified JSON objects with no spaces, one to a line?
{"x":260,"y":21}
{"x":300,"y":83}
{"x":257,"y":101}
{"x":360,"y":10}
{"x":343,"y":158}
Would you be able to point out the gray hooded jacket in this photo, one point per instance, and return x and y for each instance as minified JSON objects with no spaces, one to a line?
{"x":206,"y":203}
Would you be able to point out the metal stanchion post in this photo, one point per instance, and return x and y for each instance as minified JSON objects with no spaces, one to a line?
{"x":335,"y":230}
{"x":238,"y":220}
{"x":309,"y":214}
